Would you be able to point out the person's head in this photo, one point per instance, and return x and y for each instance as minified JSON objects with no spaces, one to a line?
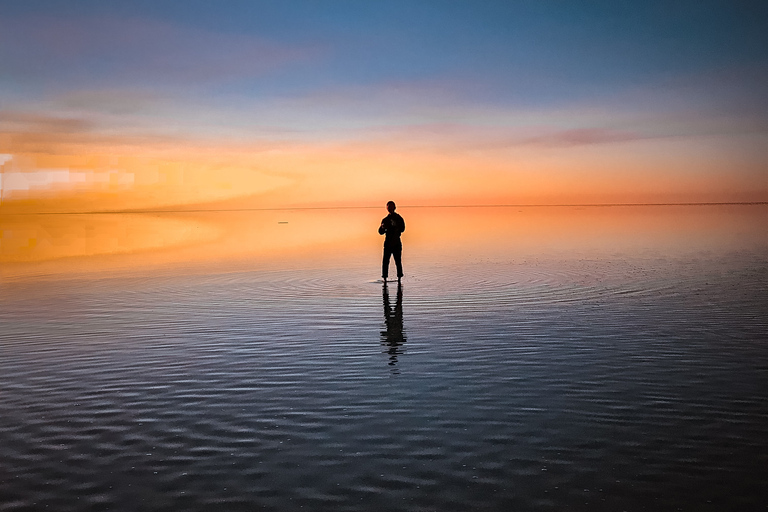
{"x":391,"y":206}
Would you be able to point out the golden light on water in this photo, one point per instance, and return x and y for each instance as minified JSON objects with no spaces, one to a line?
{"x":176,"y":203}
{"x":62,"y":244}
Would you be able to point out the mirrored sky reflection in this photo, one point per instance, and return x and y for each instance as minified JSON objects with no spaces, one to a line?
{"x":126,"y":105}
{"x":221,"y":241}
{"x":534,"y":358}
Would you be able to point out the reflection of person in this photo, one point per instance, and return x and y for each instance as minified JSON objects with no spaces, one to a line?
{"x":394,"y":336}
{"x":391,"y":226}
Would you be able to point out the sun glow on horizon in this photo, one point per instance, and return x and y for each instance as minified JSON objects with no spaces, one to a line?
{"x":273,"y":105}
{"x":363,"y":173}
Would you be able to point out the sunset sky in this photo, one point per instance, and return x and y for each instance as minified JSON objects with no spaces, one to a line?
{"x":126,"y":105}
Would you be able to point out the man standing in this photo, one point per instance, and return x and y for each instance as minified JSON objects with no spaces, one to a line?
{"x":391,"y":226}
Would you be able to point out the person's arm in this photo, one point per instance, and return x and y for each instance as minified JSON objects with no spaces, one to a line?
{"x":402,"y":224}
{"x":382,"y":228}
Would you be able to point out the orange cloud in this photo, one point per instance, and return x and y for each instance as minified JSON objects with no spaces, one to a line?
{"x":100,"y":177}
{"x":63,"y":164}
{"x":136,"y":49}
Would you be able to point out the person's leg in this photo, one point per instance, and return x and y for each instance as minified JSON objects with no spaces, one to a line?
{"x":385,"y":262}
{"x":398,"y":253}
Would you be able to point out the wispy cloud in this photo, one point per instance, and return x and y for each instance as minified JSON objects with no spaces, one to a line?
{"x":457,"y":138}
{"x":581,"y":137}
{"x":114,"y":50}
{"x":33,"y":131}
{"x":32,"y":122}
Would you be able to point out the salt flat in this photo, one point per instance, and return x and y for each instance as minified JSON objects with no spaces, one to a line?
{"x":533,"y":358}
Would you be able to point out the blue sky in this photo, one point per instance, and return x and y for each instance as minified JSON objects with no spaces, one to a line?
{"x":421,"y":72}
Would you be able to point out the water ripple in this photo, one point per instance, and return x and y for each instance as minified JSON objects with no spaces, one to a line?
{"x":543,"y":385}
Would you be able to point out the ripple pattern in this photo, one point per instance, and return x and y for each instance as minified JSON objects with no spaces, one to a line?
{"x":527,"y":385}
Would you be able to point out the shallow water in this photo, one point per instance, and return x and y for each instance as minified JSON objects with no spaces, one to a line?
{"x":547,"y":359}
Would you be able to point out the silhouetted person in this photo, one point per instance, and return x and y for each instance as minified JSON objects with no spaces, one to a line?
{"x":391,"y":226}
{"x":394,"y":336}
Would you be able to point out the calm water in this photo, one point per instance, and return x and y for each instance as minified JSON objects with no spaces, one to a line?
{"x":533,"y":359}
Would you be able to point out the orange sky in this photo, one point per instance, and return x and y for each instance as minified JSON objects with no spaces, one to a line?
{"x":51,"y":175}
{"x":278,"y":105}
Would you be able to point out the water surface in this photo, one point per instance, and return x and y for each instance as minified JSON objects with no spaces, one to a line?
{"x":533,"y":358}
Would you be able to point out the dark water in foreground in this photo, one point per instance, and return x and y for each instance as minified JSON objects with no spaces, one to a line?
{"x":628,"y":381}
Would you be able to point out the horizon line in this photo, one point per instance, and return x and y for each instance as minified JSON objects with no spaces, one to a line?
{"x":286,"y":208}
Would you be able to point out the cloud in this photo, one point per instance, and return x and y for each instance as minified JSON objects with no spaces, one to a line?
{"x":581,"y":137}
{"x":30,"y":131}
{"x":463,"y":137}
{"x":117,"y":102}
{"x":22,"y":131}
{"x":31,"y":122}
{"x":134,"y":50}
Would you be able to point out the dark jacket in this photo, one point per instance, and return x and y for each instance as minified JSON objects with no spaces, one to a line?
{"x":392,"y":225}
